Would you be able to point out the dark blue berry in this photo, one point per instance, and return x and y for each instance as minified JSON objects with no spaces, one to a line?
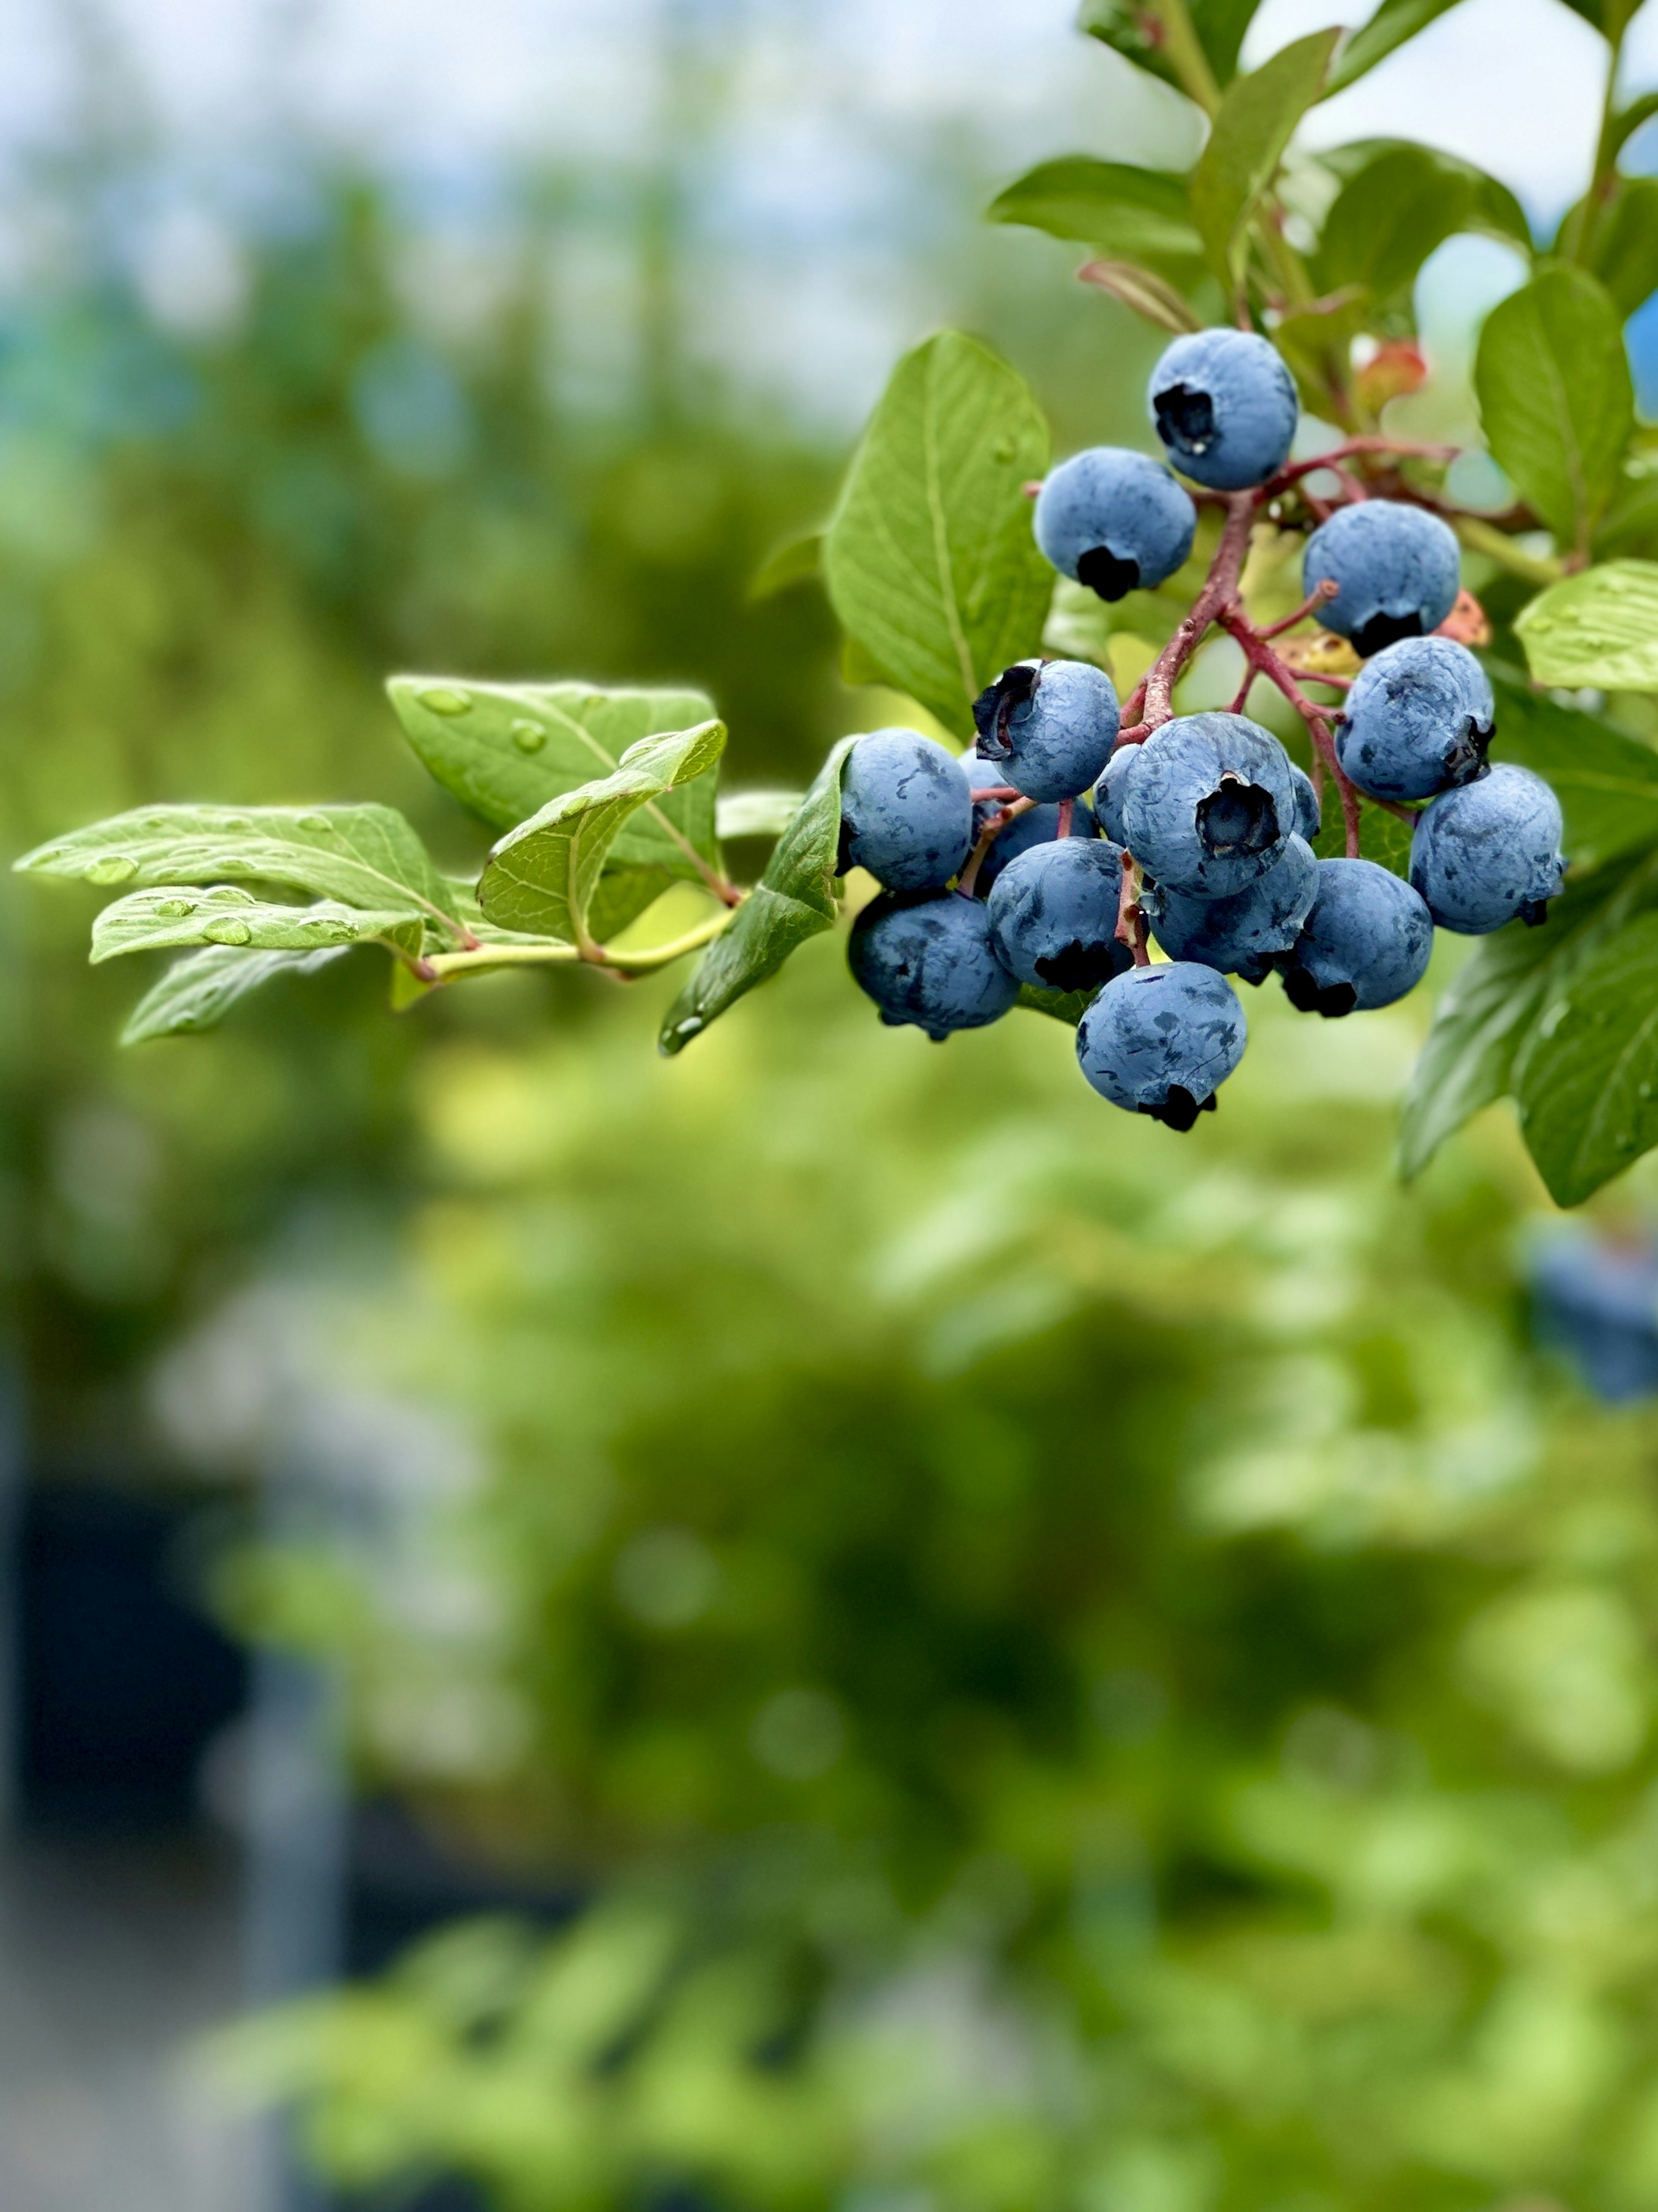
{"x":1488,"y":851}
{"x":1397,"y":570}
{"x":1161,"y":1040}
{"x":905,"y":811}
{"x":1418,"y":720}
{"x":1225,"y":406}
{"x":1209,"y":804}
{"x":1364,"y":943}
{"x":1241,"y":935}
{"x":1054,"y":915}
{"x":930,"y":962}
{"x":1115,"y":520}
{"x":1051,"y":724}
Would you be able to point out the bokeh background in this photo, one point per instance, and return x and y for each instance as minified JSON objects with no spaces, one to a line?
{"x":1147,"y":1626}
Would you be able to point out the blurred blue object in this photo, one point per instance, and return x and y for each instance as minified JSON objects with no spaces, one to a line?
{"x":1595,"y":1298}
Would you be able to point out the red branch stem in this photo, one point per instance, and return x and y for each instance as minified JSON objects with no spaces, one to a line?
{"x":992,"y":830}
{"x":1131,"y":916}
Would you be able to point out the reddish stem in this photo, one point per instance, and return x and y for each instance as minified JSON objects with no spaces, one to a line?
{"x":1131,"y":918}
{"x":1261,"y":656}
{"x":1219,"y":590}
{"x":1132,"y":704}
{"x":1066,"y":805}
{"x":1310,"y":606}
{"x":1294,"y":470}
{"x":992,"y":830}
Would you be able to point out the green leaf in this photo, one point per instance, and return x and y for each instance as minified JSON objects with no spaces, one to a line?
{"x":797,"y":563}
{"x":1399,"y":204}
{"x":1606,"y":783}
{"x":505,"y":750}
{"x":172,"y":915}
{"x":1144,"y":293}
{"x":1487,"y":1014}
{"x":1256,"y":121}
{"x":757,"y":813}
{"x":1599,"y":628}
{"x":1609,"y":17}
{"x":930,"y":559}
{"x":199,"y":990}
{"x":1141,"y":214}
{"x":793,"y":902}
{"x":1630,"y":524}
{"x":1066,"y":1006}
{"x":1555,"y":396}
{"x":1586,"y":1081}
{"x":1624,"y":243}
{"x":1393,"y":23}
{"x":1133,"y":29}
{"x":542,"y":875}
{"x":365,"y":856}
{"x":1382,"y":837}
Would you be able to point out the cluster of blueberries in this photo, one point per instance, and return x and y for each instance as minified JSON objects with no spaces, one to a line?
{"x":1208,"y":807}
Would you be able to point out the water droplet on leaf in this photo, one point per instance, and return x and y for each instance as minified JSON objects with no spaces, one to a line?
{"x":228,"y":933}
{"x":176,"y":909}
{"x":113,"y":868}
{"x":440,"y":700}
{"x":315,"y":822}
{"x":528,"y":737}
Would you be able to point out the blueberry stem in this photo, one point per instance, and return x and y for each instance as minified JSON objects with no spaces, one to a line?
{"x":993,"y":829}
{"x":1066,"y":805}
{"x":1131,"y":916}
{"x":1293,"y":472}
{"x":1310,"y":606}
{"x":1261,"y":658}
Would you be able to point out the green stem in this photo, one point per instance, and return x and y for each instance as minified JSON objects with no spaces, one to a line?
{"x":1187,"y":58}
{"x":1606,"y":157}
{"x":446,"y":966}
{"x":1483,"y":537}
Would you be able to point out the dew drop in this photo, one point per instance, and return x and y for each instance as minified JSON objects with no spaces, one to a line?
{"x":176,"y":909}
{"x":336,"y":926}
{"x":439,"y":701}
{"x":529,"y":736}
{"x":689,"y":1027}
{"x":113,"y":868}
{"x":228,"y":933}
{"x":315,"y":822}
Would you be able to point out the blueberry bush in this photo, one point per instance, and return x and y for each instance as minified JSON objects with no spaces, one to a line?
{"x":1286,"y":287}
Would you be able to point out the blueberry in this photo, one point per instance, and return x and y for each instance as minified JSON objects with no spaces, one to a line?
{"x":1054,"y":915}
{"x":1051,"y":724}
{"x":1113,"y":789}
{"x":1039,"y":827}
{"x":905,"y":811}
{"x":1225,"y":404}
{"x":1309,"y":815}
{"x":1488,"y":851}
{"x":930,"y":961}
{"x":1397,"y":567}
{"x":1365,"y":943}
{"x":1418,"y":720}
{"x":1598,"y":1299}
{"x":1115,"y":520}
{"x":1209,"y":806}
{"x":1239,"y":935}
{"x":1161,"y":1040}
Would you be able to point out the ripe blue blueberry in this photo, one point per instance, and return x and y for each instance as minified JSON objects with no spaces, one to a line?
{"x":1240,"y":935}
{"x":905,"y":811}
{"x":1396,"y":569}
{"x":1418,"y":720}
{"x":1113,"y":789}
{"x":1225,"y":406}
{"x":1115,"y":520}
{"x":1054,"y":915}
{"x":1039,"y":827}
{"x":1161,"y":1040}
{"x":1365,"y":943}
{"x":1309,"y":815}
{"x":1209,"y":806}
{"x":930,"y":961}
{"x":1488,"y":851}
{"x":1051,"y":724}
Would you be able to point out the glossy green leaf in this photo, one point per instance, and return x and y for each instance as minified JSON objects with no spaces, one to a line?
{"x":1630,"y":524}
{"x":1256,"y":121}
{"x":1599,"y":628}
{"x":1555,"y":396}
{"x":1395,"y":208}
{"x":175,"y":915}
{"x":198,"y":991}
{"x":757,"y":813}
{"x":794,"y":900}
{"x":365,"y":856}
{"x":1486,"y":1015}
{"x":930,"y":559}
{"x":1609,"y":17}
{"x":799,"y":562}
{"x":1382,"y":837}
{"x":505,"y":750}
{"x":1393,"y":23}
{"x":1622,"y":242}
{"x":1142,"y":214}
{"x":1606,"y":783}
{"x":542,"y":875}
{"x":1066,"y":1006}
{"x":1134,"y":29}
{"x":1586,"y":1081}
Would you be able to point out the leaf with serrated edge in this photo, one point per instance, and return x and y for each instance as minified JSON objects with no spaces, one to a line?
{"x":930,"y":560}
{"x":1488,"y":1012}
{"x":365,"y":856}
{"x":505,"y":750}
{"x":1556,"y":400}
{"x":199,"y":990}
{"x":792,"y":900}
{"x":172,"y":915}
{"x":1586,"y":1081}
{"x":1606,"y":783}
{"x":542,"y":875}
{"x":1599,"y":630}
{"x":1257,"y":120}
